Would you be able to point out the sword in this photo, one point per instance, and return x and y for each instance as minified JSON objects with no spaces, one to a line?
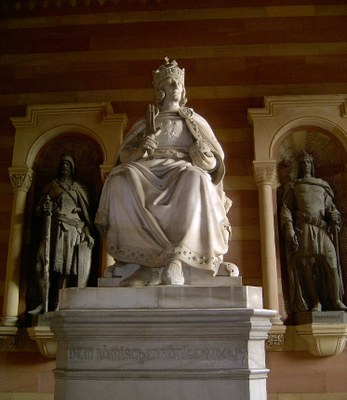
{"x":335,"y":235}
{"x":337,"y":248}
{"x":47,"y":238}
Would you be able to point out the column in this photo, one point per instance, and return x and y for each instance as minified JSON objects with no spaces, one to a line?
{"x":266,"y":179}
{"x":21,"y":179}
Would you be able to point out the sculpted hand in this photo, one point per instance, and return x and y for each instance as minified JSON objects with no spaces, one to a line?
{"x":292,"y":239}
{"x":336,"y":220}
{"x":47,"y":206}
{"x":88,"y":238}
{"x":90,"y":241}
{"x":149,"y":142}
{"x":295,"y":243}
{"x":202,"y":156}
{"x":146,"y":147}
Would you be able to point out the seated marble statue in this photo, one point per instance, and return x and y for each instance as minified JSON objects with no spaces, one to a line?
{"x":311,"y":222}
{"x":163,"y":205}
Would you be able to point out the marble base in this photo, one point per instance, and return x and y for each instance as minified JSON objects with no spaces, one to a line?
{"x":164,"y":342}
{"x":192,"y":276}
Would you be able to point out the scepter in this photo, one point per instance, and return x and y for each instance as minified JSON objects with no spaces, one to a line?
{"x":150,"y":119}
{"x":151,"y":113}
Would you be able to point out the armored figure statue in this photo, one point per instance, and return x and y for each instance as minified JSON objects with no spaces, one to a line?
{"x":310,"y":222}
{"x":163,"y":205}
{"x":64,"y":256}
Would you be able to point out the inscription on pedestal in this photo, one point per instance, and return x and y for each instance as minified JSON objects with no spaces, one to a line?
{"x":125,"y":356}
{"x":329,"y":317}
{"x":321,"y":317}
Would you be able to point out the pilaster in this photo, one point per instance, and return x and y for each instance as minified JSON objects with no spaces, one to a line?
{"x":21,"y":179}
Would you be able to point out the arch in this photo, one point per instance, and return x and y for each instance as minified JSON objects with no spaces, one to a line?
{"x":87,"y":156}
{"x":323,"y":123}
{"x":55,"y":132}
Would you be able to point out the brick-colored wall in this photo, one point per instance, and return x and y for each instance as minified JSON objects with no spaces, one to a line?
{"x":234,"y":53}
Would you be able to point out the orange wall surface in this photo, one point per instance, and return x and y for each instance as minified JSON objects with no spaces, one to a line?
{"x":234,"y":54}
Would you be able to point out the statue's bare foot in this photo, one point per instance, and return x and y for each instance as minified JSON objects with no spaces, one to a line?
{"x":317,"y":307}
{"x":173,"y":274}
{"x":111,"y":270}
{"x":340,"y":306}
{"x":144,"y":276}
{"x":37,"y":310}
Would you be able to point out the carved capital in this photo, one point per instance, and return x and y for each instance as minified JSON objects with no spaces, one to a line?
{"x":275,"y":341}
{"x":8,"y":343}
{"x":8,"y":338}
{"x":265,"y":173}
{"x":275,"y":338}
{"x":21,"y":178}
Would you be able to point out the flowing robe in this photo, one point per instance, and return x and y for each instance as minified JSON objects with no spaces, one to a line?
{"x":162,"y":207}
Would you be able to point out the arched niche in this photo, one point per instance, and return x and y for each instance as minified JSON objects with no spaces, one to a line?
{"x":39,"y":135}
{"x":330,"y":163}
{"x":88,"y":155}
{"x":286,"y":125}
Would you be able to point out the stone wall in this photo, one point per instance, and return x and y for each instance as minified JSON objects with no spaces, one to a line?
{"x":234,"y":55}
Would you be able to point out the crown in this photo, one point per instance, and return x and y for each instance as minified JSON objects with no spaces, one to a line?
{"x":169,"y":69}
{"x":306,"y":156}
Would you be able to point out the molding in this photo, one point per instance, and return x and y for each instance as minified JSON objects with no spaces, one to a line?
{"x":44,"y":338}
{"x":23,"y":6}
{"x":273,"y":103}
{"x":35,"y":111}
{"x":324,"y":340}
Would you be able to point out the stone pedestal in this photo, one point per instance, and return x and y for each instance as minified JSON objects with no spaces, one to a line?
{"x":164,"y":342}
{"x":325,"y":332}
{"x":41,"y":333}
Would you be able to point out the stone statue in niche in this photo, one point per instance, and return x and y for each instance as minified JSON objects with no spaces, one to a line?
{"x":311,"y":223}
{"x":163,"y":204}
{"x":64,"y":255}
